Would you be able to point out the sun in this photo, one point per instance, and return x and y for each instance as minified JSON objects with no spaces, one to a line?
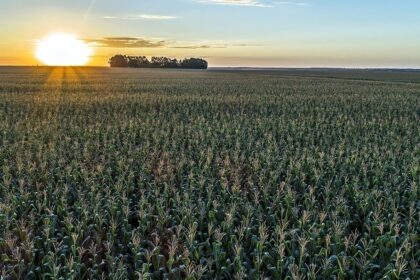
{"x":61,"y":49}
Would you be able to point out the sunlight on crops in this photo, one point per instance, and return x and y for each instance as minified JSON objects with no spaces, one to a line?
{"x":125,"y":174}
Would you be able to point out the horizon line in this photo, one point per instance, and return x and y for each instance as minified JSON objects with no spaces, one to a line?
{"x":241,"y":67}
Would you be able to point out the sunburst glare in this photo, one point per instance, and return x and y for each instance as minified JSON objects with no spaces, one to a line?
{"x":61,"y":49}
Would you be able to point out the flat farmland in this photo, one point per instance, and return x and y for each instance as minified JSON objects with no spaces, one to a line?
{"x":219,"y":174}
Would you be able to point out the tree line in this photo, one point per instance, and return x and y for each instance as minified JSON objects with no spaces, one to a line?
{"x":156,"y":62}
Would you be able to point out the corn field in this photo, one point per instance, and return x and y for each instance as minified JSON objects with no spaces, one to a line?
{"x":177,"y":174}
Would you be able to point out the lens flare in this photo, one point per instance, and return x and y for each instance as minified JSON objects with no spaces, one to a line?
{"x":62,"y":49}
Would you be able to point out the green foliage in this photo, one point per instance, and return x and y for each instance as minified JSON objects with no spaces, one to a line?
{"x":119,"y":174}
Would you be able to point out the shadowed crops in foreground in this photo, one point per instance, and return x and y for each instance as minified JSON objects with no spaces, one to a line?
{"x":149,"y":174}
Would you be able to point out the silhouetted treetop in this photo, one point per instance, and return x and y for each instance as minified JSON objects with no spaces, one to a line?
{"x":156,"y":62}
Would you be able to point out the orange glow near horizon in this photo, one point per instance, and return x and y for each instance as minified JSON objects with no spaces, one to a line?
{"x":61,"y":49}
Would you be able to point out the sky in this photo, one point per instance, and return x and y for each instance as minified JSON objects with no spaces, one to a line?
{"x":253,"y":33}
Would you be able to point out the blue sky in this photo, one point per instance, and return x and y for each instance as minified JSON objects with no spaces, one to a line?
{"x":300,"y":33}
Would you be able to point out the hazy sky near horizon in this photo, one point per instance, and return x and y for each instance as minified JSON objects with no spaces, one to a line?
{"x":301,"y":33}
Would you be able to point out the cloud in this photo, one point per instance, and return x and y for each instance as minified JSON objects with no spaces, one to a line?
{"x":135,"y":42}
{"x":253,"y":3}
{"x":141,"y":17}
{"x":157,"y":17}
{"x":291,"y":3}
{"x":212,"y":45}
{"x":192,"y":47}
{"x":126,"y":42}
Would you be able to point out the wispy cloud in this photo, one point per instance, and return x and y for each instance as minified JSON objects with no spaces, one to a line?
{"x":193,"y":47}
{"x":156,"y":17}
{"x":211,"y":45}
{"x":136,"y":42}
{"x":291,"y":3}
{"x":141,"y":17}
{"x":126,"y":42}
{"x":252,"y":3}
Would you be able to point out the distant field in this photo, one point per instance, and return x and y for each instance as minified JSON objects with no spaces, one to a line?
{"x":219,"y":174}
{"x":386,"y":75}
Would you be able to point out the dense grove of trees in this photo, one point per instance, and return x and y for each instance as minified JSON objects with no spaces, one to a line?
{"x":156,"y":62}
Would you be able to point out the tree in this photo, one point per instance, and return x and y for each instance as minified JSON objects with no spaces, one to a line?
{"x":156,"y":62}
{"x":143,"y":61}
{"x":118,"y":61}
{"x":173,"y":63}
{"x":194,"y":63}
{"x":133,"y":62}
